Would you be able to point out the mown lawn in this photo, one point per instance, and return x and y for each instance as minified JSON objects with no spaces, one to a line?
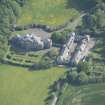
{"x":18,"y":86}
{"x":50,"y":12}
{"x":84,"y":95}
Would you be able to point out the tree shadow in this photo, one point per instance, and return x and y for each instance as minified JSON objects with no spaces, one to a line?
{"x":80,"y":5}
{"x":55,"y":88}
{"x":51,"y":89}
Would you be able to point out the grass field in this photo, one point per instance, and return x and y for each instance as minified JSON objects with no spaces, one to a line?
{"x":50,"y":12}
{"x":84,"y":95}
{"x":21,"y":87}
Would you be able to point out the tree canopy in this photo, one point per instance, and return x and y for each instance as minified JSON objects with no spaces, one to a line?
{"x":9,"y":12}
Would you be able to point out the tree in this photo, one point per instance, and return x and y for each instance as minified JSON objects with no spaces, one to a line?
{"x":73,"y":75}
{"x":53,"y":53}
{"x":46,"y":63}
{"x":21,"y":2}
{"x":88,"y":21}
{"x":84,"y":66}
{"x":83,"y":78}
{"x":9,"y":11}
{"x":60,"y":37}
{"x":100,"y":18}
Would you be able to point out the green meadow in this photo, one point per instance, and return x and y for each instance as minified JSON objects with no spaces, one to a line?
{"x":49,"y":12}
{"x":22,"y":87}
